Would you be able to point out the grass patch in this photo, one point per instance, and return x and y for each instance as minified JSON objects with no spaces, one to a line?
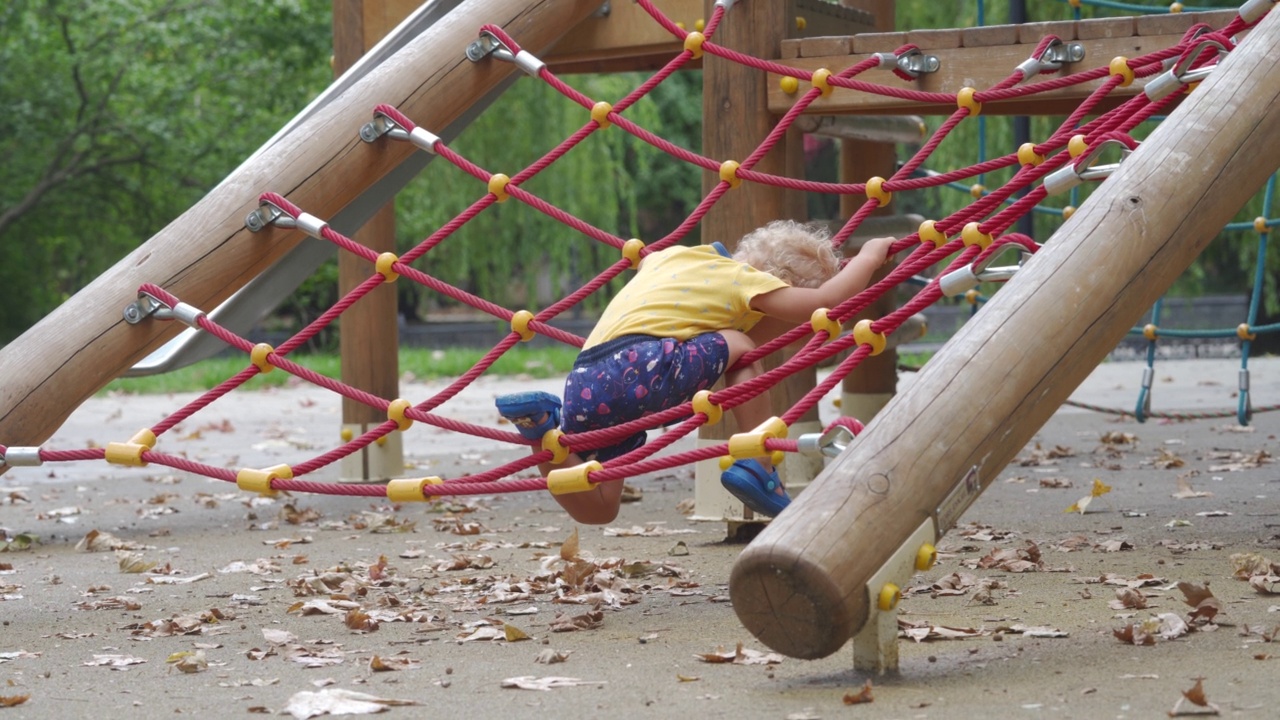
{"x":415,"y":363}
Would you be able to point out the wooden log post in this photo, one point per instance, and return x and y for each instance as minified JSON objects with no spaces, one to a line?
{"x":735,"y":121}
{"x":207,"y":253}
{"x":369,"y":339}
{"x":802,"y":586}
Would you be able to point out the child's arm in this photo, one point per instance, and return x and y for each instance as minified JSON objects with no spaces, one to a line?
{"x":796,"y":305}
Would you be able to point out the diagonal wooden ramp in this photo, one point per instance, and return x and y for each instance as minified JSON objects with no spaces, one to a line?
{"x":206,"y":254}
{"x":803,"y":587}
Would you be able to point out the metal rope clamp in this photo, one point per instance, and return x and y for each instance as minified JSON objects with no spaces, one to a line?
{"x":148,"y":306}
{"x":1086,"y":168}
{"x":830,"y":443}
{"x":958,"y":282}
{"x":268,"y":213}
{"x":1055,"y":55}
{"x":384,"y":125}
{"x":912,"y":62}
{"x":489,"y":44}
{"x":1182,"y":72}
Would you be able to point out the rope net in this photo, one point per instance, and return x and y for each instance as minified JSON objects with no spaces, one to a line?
{"x":964,"y":242}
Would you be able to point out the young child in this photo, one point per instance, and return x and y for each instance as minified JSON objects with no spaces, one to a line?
{"x":683,"y":320}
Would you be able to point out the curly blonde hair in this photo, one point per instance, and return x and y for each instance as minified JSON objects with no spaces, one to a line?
{"x":797,"y":254}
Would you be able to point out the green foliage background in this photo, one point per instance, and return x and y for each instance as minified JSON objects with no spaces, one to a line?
{"x":118,"y":115}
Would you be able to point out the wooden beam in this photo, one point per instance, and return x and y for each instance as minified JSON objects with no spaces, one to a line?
{"x":970,"y":59}
{"x":206,"y":254}
{"x":623,"y":38}
{"x":802,"y":586}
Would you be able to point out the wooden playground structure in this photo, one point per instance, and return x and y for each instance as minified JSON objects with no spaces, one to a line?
{"x":825,"y":570}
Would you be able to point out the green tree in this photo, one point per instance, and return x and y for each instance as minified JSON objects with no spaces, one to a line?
{"x":117,"y":115}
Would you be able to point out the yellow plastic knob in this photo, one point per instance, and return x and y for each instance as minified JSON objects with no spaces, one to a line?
{"x":600,"y":113}
{"x":965,"y":99}
{"x":385,"y":266}
{"x":258,"y":356}
{"x":1027,"y":155}
{"x":702,"y":404}
{"x":876,"y":191}
{"x":729,"y":173}
{"x":789,"y":85}
{"x":864,"y":335}
{"x":890,"y":594}
{"x":631,"y":251}
{"x":498,"y":186}
{"x":1120,"y":67}
{"x":520,"y":325}
{"x":929,"y":233}
{"x":693,"y":43}
{"x":820,"y":81}
{"x":926,"y":557}
{"x":972,"y":235}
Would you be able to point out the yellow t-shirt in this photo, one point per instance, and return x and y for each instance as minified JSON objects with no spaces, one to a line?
{"x":683,"y":292}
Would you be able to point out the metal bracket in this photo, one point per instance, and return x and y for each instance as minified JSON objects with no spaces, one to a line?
{"x":489,"y":44}
{"x":915,"y":63}
{"x":269,"y":214}
{"x":605,"y":10}
{"x":1067,"y":176}
{"x":146,"y":306}
{"x":958,"y":282}
{"x":382,"y":125}
{"x":1055,"y":55}
{"x":827,"y":444}
{"x":1181,"y":74}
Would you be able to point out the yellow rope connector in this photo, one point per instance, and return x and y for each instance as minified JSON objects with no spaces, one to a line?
{"x":631,"y":251}
{"x":520,"y":325}
{"x":890,"y":594}
{"x":971,"y":296}
{"x":498,"y":186}
{"x":819,"y":79}
{"x":972,"y":235}
{"x":1074,"y":3}
{"x":1175,"y":7}
{"x":964,"y":99}
{"x":346,"y":434}
{"x":729,"y":173}
{"x":702,"y":404}
{"x":130,"y":453}
{"x":1077,"y":146}
{"x":1150,"y":331}
{"x":1260,"y":225}
{"x":259,"y":356}
{"x":410,"y":489}
{"x":864,"y":335}
{"x":396,"y":410}
{"x":699,"y":24}
{"x":1120,"y":66}
{"x":693,"y":43}
{"x":259,"y":481}
{"x":551,"y":441}
{"x":789,"y":85}
{"x":977,"y":190}
{"x":1243,"y":332}
{"x":820,"y":321}
{"x":929,"y":233}
{"x":1027,"y":155}
{"x":875,"y":191}
{"x":600,"y":113}
{"x":926,"y":557}
{"x":801,"y":23}
{"x":386,"y":266}
{"x":1068,"y":211}
{"x":563,"y":481}
{"x":751,"y":444}
{"x":380,"y":441}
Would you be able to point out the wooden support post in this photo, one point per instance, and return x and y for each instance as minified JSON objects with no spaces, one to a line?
{"x":735,"y":121}
{"x":872,"y":384}
{"x":207,"y":253}
{"x":800,"y":587}
{"x":369,"y":340}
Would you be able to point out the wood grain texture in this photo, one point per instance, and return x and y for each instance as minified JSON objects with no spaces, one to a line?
{"x":800,"y":587}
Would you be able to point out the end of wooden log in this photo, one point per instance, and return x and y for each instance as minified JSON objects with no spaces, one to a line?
{"x":791,"y":604}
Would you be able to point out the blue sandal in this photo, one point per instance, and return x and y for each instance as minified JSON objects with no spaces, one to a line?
{"x":533,"y":412}
{"x":759,"y":490}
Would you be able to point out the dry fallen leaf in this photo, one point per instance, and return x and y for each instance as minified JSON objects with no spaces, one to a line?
{"x":569,"y":548}
{"x":13,"y":700}
{"x":529,"y":682}
{"x":861,"y":696}
{"x":1196,"y":697}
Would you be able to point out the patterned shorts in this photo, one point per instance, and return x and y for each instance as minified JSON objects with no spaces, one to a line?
{"x":629,"y":377}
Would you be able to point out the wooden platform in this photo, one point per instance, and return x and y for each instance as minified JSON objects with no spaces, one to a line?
{"x":621,"y":37}
{"x":981,"y":57}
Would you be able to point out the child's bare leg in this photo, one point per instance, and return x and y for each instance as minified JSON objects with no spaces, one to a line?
{"x":596,"y":506}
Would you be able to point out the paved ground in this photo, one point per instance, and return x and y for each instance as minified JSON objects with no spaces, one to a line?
{"x":306,"y":594}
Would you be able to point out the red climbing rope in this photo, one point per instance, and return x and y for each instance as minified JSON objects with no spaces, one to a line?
{"x":990,"y":215}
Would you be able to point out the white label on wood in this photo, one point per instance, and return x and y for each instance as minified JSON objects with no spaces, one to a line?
{"x":958,"y":500}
